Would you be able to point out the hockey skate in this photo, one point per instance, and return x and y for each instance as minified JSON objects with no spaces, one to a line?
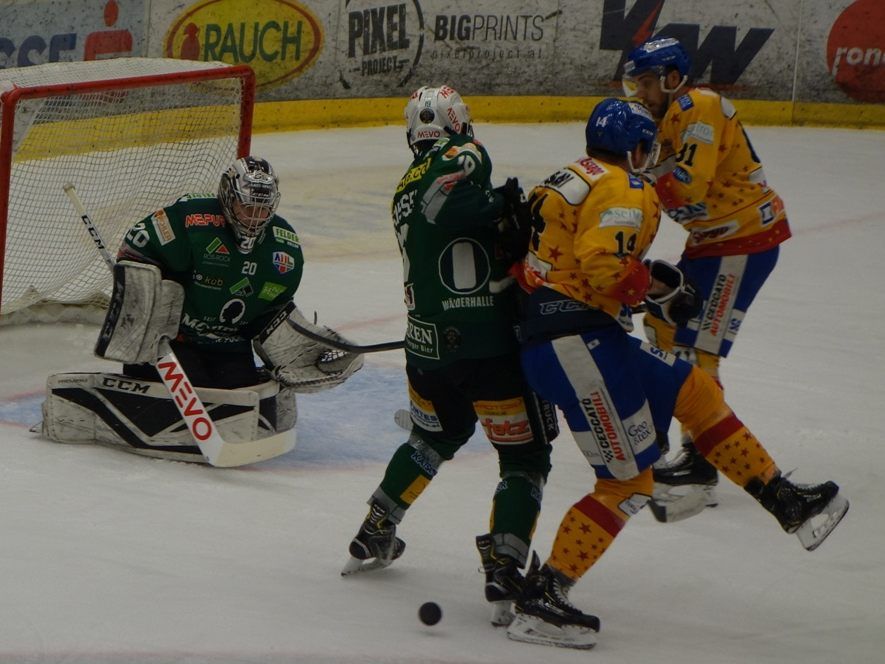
{"x":811,"y":511}
{"x":545,"y":616}
{"x":375,"y":545}
{"x":684,"y":486}
{"x":504,"y":581}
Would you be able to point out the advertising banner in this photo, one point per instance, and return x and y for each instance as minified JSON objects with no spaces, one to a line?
{"x":841,"y":52}
{"x":40,"y":31}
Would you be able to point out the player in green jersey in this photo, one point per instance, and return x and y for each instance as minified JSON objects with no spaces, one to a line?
{"x":462,"y":358}
{"x":208,"y":273}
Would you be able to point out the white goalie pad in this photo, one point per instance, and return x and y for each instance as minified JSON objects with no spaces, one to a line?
{"x":303,"y":364}
{"x":144,"y":308}
{"x":139,"y":416}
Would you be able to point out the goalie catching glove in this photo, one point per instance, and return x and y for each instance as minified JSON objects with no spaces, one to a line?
{"x":679,"y":301}
{"x":303,"y":364}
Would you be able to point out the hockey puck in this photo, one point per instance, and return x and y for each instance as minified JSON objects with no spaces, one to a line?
{"x":430,"y":613}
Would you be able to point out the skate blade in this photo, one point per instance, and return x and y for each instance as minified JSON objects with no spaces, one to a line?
{"x":357,"y":566}
{"x":531,"y":629}
{"x":815,"y":530}
{"x":676,"y":503}
{"x":502,"y":613}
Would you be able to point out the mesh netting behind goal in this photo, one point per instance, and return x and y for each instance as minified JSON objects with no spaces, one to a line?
{"x":131,"y":135}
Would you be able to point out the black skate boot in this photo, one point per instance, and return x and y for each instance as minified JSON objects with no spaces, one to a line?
{"x":545,"y":615}
{"x":811,"y":511}
{"x":684,"y":486}
{"x":375,"y":545}
{"x":504,"y":580}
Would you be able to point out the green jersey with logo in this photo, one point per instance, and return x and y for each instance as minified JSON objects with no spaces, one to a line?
{"x":445,"y":213}
{"x":228,"y":296}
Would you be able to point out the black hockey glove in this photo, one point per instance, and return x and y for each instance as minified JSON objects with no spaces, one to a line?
{"x":515,"y":224}
{"x":679,"y":302}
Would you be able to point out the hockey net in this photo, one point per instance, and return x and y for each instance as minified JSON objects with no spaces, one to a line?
{"x":132,"y":135}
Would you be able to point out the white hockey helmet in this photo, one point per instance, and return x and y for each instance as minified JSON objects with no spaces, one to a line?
{"x":249,"y":195}
{"x":434,"y":113}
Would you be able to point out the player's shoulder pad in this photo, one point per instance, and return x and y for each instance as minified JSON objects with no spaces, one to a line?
{"x":461,"y":151}
{"x":573,"y":182}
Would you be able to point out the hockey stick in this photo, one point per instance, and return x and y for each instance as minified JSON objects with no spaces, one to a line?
{"x":205,"y":433}
{"x":344,"y":345}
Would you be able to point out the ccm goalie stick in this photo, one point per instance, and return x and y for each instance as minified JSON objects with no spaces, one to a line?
{"x":217,"y":451}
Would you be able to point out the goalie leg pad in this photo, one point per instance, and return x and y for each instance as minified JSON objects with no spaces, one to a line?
{"x":139,"y":416}
{"x":304,"y":364}
{"x":144,"y":308}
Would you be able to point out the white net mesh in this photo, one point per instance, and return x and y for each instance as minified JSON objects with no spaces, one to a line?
{"x":127,"y":150}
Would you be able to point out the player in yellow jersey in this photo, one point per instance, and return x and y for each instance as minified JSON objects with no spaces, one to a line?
{"x":593,"y":222}
{"x":711,"y":182}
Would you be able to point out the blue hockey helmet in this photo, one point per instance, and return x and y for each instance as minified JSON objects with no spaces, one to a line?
{"x":659,"y":56}
{"x":616,"y":126}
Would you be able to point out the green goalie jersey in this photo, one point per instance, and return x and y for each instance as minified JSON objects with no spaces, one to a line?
{"x":445,"y":213}
{"x":228,"y":296}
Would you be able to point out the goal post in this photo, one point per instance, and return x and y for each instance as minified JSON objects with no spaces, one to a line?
{"x":132,"y":134}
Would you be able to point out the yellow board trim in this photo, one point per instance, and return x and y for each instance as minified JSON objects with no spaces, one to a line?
{"x":324,"y":113}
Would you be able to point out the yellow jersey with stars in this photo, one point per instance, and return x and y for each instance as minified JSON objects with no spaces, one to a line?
{"x":716,"y":189}
{"x":594,"y":222}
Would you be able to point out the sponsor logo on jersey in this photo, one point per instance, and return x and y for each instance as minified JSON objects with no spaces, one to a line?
{"x":771,"y":210}
{"x":688,"y":212}
{"x":590,"y":167}
{"x":283,"y":262}
{"x":504,"y":422}
{"x":422,"y":339}
{"x":719,"y":302}
{"x":571,"y":187}
{"x":208,"y":219}
{"x":232,"y":311}
{"x":715,"y":233}
{"x":206,"y":281}
{"x":478,"y":302}
{"x":620,"y":216}
{"x":605,"y":427}
{"x":682,"y":175}
{"x":270,"y":291}
{"x":242,"y":288}
{"x":287,"y":236}
{"x":162,"y":227}
{"x":216,"y":252}
{"x":685,"y":102}
{"x":414,"y":174}
{"x":700,"y":131}
{"x":422,"y":412}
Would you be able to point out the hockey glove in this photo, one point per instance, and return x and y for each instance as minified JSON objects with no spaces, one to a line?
{"x":672,"y":297}
{"x":515,"y":224}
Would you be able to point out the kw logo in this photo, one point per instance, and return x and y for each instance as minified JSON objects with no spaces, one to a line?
{"x":622,"y":31}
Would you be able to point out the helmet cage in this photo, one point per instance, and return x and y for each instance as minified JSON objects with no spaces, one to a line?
{"x":249,"y":195}
{"x":434,"y":113}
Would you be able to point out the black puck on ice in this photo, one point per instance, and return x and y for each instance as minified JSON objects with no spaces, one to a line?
{"x":430,"y":613}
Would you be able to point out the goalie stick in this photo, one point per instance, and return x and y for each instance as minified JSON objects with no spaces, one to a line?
{"x":217,"y":451}
{"x":337,"y":344}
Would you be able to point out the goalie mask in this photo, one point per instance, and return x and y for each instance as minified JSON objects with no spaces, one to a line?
{"x":434,"y":113}
{"x":249,"y":195}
